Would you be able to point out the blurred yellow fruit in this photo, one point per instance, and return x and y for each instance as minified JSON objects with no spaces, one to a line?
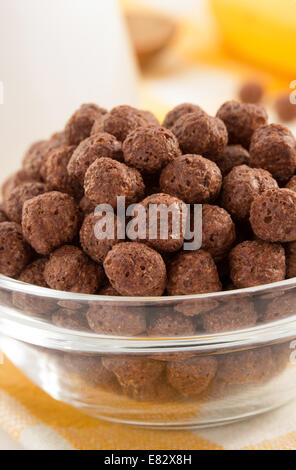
{"x":261,"y":31}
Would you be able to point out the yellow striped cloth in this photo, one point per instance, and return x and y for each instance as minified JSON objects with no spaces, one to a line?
{"x":37,"y":421}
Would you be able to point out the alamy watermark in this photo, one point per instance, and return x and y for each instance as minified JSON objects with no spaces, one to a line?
{"x":156,"y":222}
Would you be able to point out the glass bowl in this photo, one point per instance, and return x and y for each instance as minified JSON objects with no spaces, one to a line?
{"x":160,"y":362}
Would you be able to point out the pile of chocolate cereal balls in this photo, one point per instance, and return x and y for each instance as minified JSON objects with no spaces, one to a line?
{"x":238,"y":166}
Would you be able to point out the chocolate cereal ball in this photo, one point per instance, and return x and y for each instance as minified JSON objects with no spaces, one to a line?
{"x":150,"y":148}
{"x":201,"y":134}
{"x":116,"y":320}
{"x":170,"y":323}
{"x":242,"y":120}
{"x":18,"y":196}
{"x":291,"y":184}
{"x":192,"y":178}
{"x":15,"y":253}
{"x":233,"y":315}
{"x":241,"y":186}
{"x":34,"y":274}
{"x":135,"y":374}
{"x":49,"y":221}
{"x":36,"y":155}
{"x":70,"y":319}
{"x":96,"y":146}
{"x":15,"y":180}
{"x":273,"y":148}
{"x":91,"y":234}
{"x":134,"y":269}
{"x":254,"y":263}
{"x":280,"y":307}
{"x":185,"y":108}
{"x":218,"y":231}
{"x":193,"y":272}
{"x":232,"y":156}
{"x":251,"y":92}
{"x":122,"y":120}
{"x":291,"y":259}
{"x":91,"y":370}
{"x":80,"y":124}
{"x":244,"y":367}
{"x":70,"y":270}
{"x":273,"y":215}
{"x":54,"y":172}
{"x":164,"y":239}
{"x":106,"y":179}
{"x":192,"y":376}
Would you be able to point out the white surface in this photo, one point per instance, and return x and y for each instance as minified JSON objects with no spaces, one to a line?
{"x":6,"y":443}
{"x":54,"y":56}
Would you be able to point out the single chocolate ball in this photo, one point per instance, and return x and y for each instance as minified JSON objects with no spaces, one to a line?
{"x":252,"y":366}
{"x":91,"y":371}
{"x":291,"y":184}
{"x":134,"y":269}
{"x":251,"y":92}
{"x":34,"y":274}
{"x":273,"y":148}
{"x":192,"y":376}
{"x":107,"y":179}
{"x":273,"y":215}
{"x":218,"y":231}
{"x":291,"y":259}
{"x":254,"y":263}
{"x":165,"y":218}
{"x":93,"y":229}
{"x":116,"y":320}
{"x":241,"y":186}
{"x":201,"y":134}
{"x":138,"y":376}
{"x":35,"y":156}
{"x":49,"y":221}
{"x":15,"y":180}
{"x":150,"y":148}
{"x":286,"y":111}
{"x":170,"y":323}
{"x":87,"y":152}
{"x":54,"y":172}
{"x":236,"y":314}
{"x":185,"y":108}
{"x":15,"y":253}
{"x":80,"y":124}
{"x":18,"y":196}
{"x":70,"y":319}
{"x":280,"y":307}
{"x":232,"y":156}
{"x":150,"y":117}
{"x":122,"y":120}
{"x":242,"y":120}
{"x":193,"y":272}
{"x":70,"y":270}
{"x":192,"y":178}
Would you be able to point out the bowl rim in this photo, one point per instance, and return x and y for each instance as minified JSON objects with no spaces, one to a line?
{"x":40,"y":332}
{"x":8,"y":283}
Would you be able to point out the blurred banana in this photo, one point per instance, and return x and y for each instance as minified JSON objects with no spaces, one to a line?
{"x":261,"y":31}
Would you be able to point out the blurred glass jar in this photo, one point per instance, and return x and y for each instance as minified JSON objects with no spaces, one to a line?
{"x":55,"y":55}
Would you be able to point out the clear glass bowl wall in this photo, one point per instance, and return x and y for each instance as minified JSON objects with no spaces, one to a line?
{"x":204,"y":378}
